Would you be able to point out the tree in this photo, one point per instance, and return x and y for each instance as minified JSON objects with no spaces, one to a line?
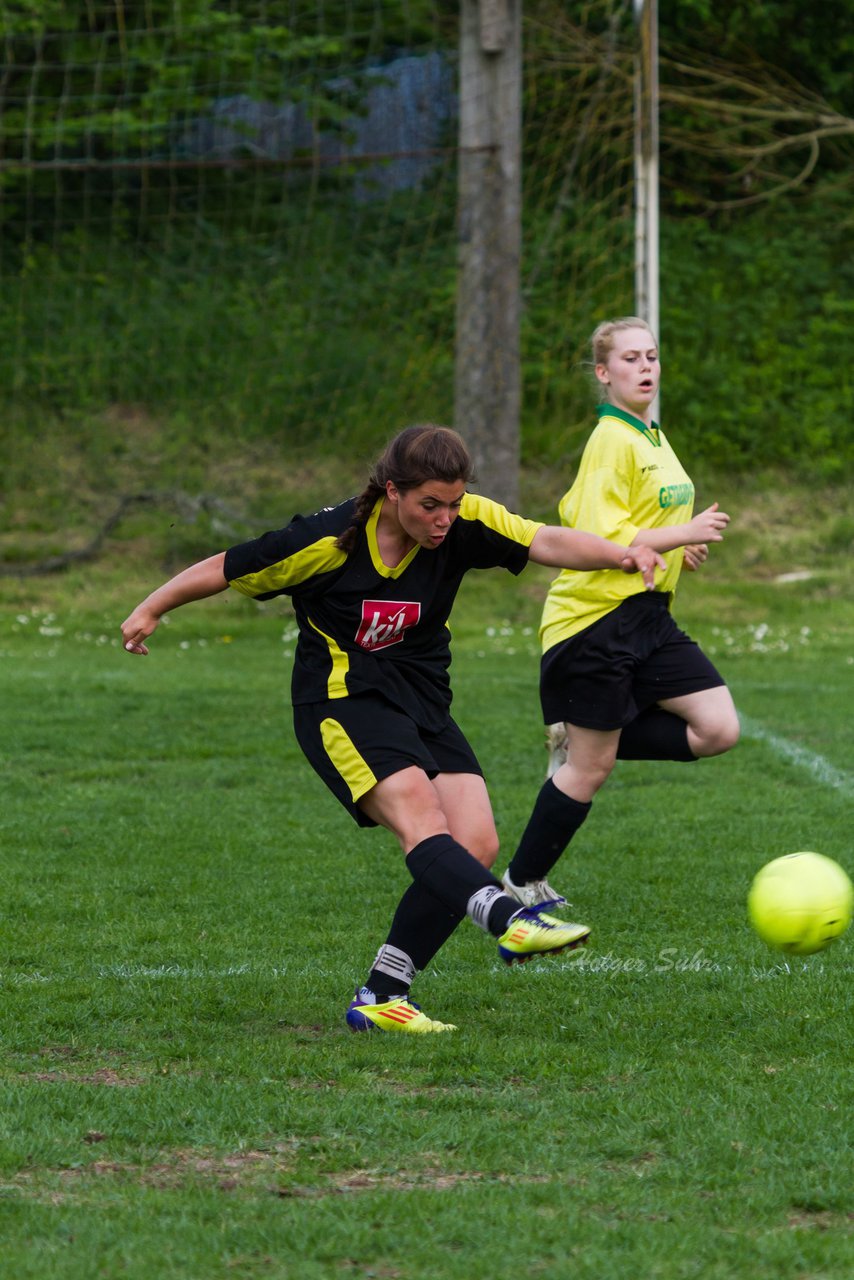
{"x":488,"y":379}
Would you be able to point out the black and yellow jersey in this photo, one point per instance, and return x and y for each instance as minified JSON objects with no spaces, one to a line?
{"x":366,"y":627}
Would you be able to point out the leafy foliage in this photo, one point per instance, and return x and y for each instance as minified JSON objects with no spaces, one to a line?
{"x":114,"y":81}
{"x":757,"y":334}
{"x":812,"y":44}
{"x":113,"y":86}
{"x":235,"y":300}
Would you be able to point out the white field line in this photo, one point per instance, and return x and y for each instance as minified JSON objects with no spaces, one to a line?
{"x":822,"y":770}
{"x":668,"y":962}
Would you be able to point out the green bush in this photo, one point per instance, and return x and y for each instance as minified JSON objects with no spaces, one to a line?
{"x":757,"y":338}
{"x":334,"y":334}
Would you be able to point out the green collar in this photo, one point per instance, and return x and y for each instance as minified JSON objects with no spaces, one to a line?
{"x":611,"y":411}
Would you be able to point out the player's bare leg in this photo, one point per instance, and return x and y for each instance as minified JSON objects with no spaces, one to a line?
{"x":590,"y":757}
{"x":711,"y":719}
{"x":468,"y":811}
{"x":561,"y":807}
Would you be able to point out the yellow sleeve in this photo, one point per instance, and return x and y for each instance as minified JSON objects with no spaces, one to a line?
{"x":600,"y":500}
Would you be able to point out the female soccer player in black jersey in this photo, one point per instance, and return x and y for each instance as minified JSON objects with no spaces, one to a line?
{"x":618,"y":677}
{"x":372,"y":582}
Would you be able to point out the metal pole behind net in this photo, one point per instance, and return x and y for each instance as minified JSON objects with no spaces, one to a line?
{"x":646,"y":168}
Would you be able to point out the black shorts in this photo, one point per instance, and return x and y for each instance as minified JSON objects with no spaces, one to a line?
{"x":635,"y":656}
{"x":353,"y":743}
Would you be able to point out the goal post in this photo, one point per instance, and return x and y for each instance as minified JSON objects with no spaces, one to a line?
{"x":577,"y":192}
{"x":487,"y":383}
{"x":646,"y":157}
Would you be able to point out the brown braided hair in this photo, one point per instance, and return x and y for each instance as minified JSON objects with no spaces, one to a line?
{"x":415,"y":455}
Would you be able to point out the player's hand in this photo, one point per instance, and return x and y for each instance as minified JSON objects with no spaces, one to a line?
{"x":645,"y":561}
{"x":709,"y":525}
{"x":137,"y":628}
{"x":693,"y":555}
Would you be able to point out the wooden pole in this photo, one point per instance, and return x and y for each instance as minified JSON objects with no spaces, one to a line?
{"x":487,"y":378}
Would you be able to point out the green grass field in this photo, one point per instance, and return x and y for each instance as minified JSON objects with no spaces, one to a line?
{"x":184,"y":914}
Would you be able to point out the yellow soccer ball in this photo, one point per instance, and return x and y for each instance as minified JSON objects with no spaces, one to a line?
{"x":800,"y":903}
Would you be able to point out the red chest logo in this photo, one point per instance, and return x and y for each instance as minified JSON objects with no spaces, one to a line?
{"x":384,"y":622}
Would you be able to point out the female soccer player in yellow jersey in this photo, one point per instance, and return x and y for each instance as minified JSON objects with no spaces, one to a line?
{"x":372,"y":582}
{"x":618,"y":678}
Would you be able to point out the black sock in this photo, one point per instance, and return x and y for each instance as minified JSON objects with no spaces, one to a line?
{"x":421,"y":926}
{"x":554,"y":821}
{"x":448,"y":871}
{"x":655,"y":735}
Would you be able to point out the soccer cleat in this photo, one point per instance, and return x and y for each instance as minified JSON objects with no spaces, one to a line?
{"x":536,"y":893}
{"x":531,"y":933}
{"x":556,"y":746}
{"x":399,"y":1014}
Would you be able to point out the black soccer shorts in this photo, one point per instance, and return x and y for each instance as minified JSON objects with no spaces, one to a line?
{"x":353,"y":743}
{"x":635,"y":656}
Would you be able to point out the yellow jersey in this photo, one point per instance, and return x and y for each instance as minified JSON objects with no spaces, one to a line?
{"x":629,"y":479}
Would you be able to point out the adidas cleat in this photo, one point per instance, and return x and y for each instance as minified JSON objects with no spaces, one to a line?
{"x":532,"y":934}
{"x":536,"y":893}
{"x":392,"y":1015}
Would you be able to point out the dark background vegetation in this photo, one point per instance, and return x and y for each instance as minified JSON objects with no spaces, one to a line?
{"x":160,"y":325}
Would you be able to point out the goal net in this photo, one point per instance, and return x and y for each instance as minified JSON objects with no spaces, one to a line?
{"x":246,"y":212}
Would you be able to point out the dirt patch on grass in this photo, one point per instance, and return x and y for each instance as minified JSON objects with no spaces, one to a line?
{"x":268,"y":1171}
{"x":103,"y":1076}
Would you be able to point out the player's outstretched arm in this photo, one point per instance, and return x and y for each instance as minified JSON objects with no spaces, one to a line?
{"x":203,"y":579}
{"x":563,"y":548}
{"x":708,"y":526}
